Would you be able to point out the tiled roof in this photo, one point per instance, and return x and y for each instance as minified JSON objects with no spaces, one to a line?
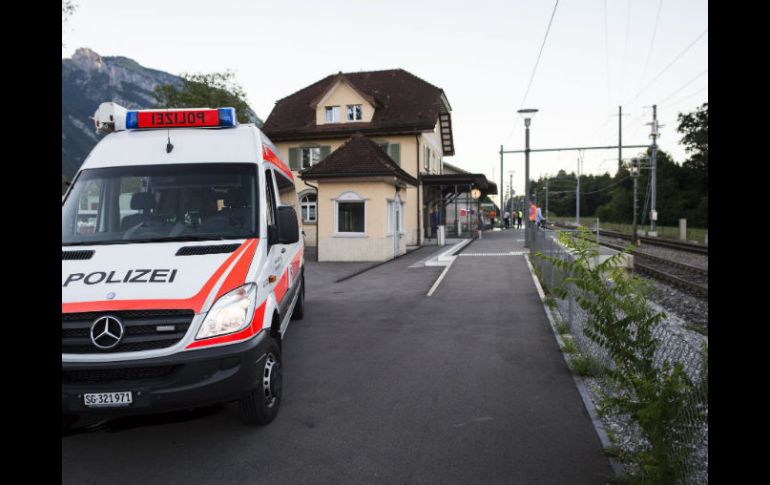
{"x":357,"y":157}
{"x":404,"y":104}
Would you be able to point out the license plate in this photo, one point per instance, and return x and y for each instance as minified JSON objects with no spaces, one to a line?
{"x":107,"y":399}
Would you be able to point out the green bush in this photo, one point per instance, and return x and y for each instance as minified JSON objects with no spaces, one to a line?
{"x":621,"y":322}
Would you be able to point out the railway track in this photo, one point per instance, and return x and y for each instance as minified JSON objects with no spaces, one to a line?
{"x":690,"y":278}
{"x":685,"y":276}
{"x":654,"y":241}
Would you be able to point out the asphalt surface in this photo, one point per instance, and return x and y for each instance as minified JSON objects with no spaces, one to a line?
{"x":383,"y":384}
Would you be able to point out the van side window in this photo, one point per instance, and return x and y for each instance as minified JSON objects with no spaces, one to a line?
{"x":270,"y":194}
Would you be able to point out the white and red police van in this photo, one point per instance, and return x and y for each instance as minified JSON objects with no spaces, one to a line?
{"x":181,"y":266}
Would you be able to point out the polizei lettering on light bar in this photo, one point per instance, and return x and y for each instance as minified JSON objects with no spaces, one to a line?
{"x":130,"y":276}
{"x":202,"y":118}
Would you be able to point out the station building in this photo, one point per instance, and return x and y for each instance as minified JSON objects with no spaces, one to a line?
{"x":367,"y":150}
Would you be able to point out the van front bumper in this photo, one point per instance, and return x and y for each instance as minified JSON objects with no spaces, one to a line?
{"x":180,"y":381}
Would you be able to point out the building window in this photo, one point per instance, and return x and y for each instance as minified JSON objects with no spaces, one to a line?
{"x":355,"y":112}
{"x":350,"y":217}
{"x":332,"y":114}
{"x":308,"y":204}
{"x":310,"y":156}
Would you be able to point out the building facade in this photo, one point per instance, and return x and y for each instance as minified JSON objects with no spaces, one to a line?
{"x":360,"y":144}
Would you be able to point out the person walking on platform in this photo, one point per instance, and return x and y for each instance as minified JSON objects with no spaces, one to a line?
{"x":519,"y":215}
{"x":507,"y":219}
{"x":532,"y":212}
{"x":492,"y":215}
{"x":539,"y":221}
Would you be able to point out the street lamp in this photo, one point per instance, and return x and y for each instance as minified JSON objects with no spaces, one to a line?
{"x":527,"y":114}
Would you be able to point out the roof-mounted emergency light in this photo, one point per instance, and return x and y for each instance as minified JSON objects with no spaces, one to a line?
{"x":113,"y":117}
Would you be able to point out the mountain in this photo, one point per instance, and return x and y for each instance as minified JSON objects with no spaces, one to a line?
{"x":87,"y":80}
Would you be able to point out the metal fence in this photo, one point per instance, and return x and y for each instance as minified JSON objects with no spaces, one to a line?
{"x":675,"y":344}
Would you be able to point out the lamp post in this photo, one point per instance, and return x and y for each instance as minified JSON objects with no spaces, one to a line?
{"x":527,"y":114}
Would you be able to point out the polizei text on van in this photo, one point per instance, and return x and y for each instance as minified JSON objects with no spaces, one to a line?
{"x":130,"y":276}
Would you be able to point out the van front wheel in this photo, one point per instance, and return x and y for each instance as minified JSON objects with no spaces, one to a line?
{"x":261,"y":405}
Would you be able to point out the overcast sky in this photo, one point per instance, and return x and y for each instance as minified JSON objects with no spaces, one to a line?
{"x":599,"y":54}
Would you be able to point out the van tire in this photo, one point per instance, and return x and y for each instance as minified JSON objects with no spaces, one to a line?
{"x":299,"y":307}
{"x":261,"y":406}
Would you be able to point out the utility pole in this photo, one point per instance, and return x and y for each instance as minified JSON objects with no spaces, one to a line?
{"x":502,"y":191}
{"x":546,"y":198}
{"x":635,"y":169}
{"x":577,"y":196}
{"x":653,"y":183}
{"x":620,"y":136}
{"x":510,"y":194}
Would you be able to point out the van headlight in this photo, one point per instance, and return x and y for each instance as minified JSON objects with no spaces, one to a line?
{"x":232,"y":312}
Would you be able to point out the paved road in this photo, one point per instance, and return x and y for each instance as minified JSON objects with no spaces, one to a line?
{"x":385,"y":385}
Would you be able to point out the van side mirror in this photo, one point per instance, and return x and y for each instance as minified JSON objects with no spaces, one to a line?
{"x":288,"y":228}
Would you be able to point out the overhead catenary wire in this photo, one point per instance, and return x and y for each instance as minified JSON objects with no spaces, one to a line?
{"x":607,"y":57}
{"x":617,"y":182}
{"x":685,"y":98}
{"x":625,"y":49}
{"x":534,"y":70}
{"x":652,"y":42}
{"x":684,"y":86}
{"x":668,"y":66}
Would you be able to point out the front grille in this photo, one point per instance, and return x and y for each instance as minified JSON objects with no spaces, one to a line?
{"x":116,"y":375}
{"x":140,"y":330}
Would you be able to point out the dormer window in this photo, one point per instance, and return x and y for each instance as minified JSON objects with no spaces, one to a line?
{"x":333,"y":114}
{"x":355,"y":112}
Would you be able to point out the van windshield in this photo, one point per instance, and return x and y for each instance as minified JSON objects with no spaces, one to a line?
{"x":157,"y":203}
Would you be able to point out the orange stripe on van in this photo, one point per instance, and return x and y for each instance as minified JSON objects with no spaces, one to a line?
{"x":237,"y":276}
{"x":195,"y":302}
{"x":282,"y":286}
{"x":269,"y":156}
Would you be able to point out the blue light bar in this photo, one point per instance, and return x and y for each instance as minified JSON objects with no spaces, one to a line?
{"x":132,"y":120}
{"x":227,"y":117}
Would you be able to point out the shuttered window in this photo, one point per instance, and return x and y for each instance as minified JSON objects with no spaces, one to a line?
{"x":395,"y":152}
{"x":294,"y":156}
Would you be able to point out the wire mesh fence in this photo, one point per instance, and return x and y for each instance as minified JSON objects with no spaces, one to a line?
{"x":688,"y":443}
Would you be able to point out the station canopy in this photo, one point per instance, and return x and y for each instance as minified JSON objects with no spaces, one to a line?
{"x":460,"y":183}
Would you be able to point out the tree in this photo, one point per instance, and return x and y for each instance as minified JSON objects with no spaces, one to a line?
{"x":68,"y":7}
{"x":213,"y":90}
{"x":695,"y":129}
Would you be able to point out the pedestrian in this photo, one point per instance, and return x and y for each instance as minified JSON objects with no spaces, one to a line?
{"x":492,"y":215}
{"x":539,"y":221}
{"x":481,"y":222}
{"x":507,"y":219}
{"x":519,"y":215}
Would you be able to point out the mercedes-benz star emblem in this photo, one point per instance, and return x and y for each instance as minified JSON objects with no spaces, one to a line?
{"x":106,"y":332}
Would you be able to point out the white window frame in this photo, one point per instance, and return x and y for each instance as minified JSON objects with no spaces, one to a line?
{"x":352,"y":110}
{"x":306,"y":205}
{"x":335,"y":114}
{"x":350,"y":196}
{"x":302,"y":157}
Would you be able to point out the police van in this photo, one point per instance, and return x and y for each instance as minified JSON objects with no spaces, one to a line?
{"x":181,"y":266}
